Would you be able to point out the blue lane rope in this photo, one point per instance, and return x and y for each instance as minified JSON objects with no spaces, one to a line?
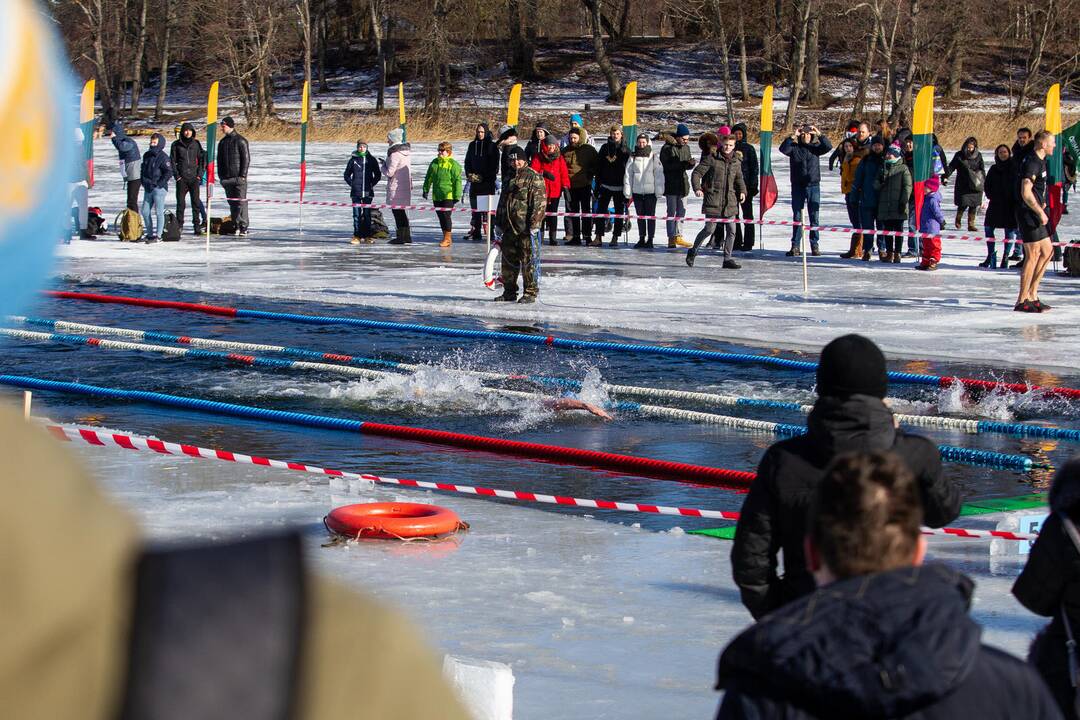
{"x":948,"y":452}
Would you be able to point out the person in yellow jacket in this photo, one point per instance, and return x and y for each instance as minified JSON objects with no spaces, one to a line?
{"x":852,"y":154}
{"x":443,"y":182}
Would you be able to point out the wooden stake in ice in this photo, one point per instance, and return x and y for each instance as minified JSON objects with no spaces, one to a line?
{"x":27,"y":400}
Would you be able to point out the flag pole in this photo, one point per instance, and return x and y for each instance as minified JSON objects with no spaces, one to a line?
{"x":304,"y":104}
{"x":211,"y":151}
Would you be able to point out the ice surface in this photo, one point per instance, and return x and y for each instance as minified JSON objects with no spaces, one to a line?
{"x":597,"y":618}
{"x":959,"y":312}
{"x":486,"y":687}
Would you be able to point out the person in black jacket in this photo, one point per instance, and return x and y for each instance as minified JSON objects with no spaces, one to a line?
{"x":610,"y":172}
{"x":744,"y":233}
{"x":189,"y":163}
{"x":805,"y":149}
{"x":1023,"y":147}
{"x":362,"y":174}
{"x":1050,"y":586}
{"x":1001,"y":212}
{"x":970,"y":171}
{"x":130,"y":163}
{"x":233,"y":159}
{"x":884,"y":636}
{"x":481,"y":170}
{"x":849,"y":416}
{"x":155,"y":172}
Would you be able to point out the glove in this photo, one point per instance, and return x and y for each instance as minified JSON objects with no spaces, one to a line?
{"x":474,"y":177}
{"x":425,"y":196}
{"x":548,"y":175}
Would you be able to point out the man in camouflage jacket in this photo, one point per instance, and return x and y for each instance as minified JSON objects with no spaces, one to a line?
{"x":520,"y":214}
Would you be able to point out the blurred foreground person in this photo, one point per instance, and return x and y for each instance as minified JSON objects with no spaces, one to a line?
{"x":884,"y":636}
{"x":97,"y":626}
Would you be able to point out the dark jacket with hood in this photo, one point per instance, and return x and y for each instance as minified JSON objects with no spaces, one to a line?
{"x":970,"y":176}
{"x":363,"y":174}
{"x":774,"y":512}
{"x":720,"y":180}
{"x":233,"y":157}
{"x":125,"y":146}
{"x":865,"y":178}
{"x":1001,"y":213}
{"x":535,"y":145}
{"x":1050,"y":582}
{"x":892,"y":645}
{"x":894,"y":187}
{"x":482,"y":160}
{"x":750,"y":168}
{"x":676,"y":160}
{"x":610,"y":173}
{"x":805,"y":159}
{"x":188,"y":157}
{"x":156,"y":170}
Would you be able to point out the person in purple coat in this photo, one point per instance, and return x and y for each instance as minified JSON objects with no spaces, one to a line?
{"x":930,"y":222}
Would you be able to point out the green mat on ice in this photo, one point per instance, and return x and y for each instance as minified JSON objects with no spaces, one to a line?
{"x":977,"y":507}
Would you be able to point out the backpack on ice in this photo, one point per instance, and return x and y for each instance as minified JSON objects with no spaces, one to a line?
{"x":129,"y":226}
{"x":95,"y":221}
{"x":1072,"y":260}
{"x":222,"y":226}
{"x":171,"y":231}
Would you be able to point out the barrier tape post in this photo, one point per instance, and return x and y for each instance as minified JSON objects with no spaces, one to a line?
{"x":100,"y":438}
{"x":803,"y":238}
{"x":27,"y":401}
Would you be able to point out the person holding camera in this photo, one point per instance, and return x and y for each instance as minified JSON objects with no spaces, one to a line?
{"x":805,"y":149}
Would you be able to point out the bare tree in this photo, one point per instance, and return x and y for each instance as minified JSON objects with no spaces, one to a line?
{"x":867,"y":67}
{"x":901,"y":112}
{"x":745,"y":85}
{"x":813,"y":61}
{"x":140,"y":51}
{"x":163,"y":85}
{"x":1039,"y":33}
{"x":803,"y":12}
{"x":615,"y":86}
{"x":303,"y":15}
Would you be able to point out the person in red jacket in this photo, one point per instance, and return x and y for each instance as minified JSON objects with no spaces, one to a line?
{"x":550,"y":164}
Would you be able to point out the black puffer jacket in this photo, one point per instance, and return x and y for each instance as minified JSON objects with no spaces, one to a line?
{"x":612,"y":172}
{"x":897,"y":644}
{"x":750,"y":168}
{"x":156,"y":169}
{"x":482,"y":160}
{"x":774,"y":512}
{"x":970,"y":176}
{"x":805,"y":159}
{"x":1051,"y":581}
{"x":998,"y":188}
{"x":188,"y":157}
{"x":676,"y":160}
{"x":233,"y":157}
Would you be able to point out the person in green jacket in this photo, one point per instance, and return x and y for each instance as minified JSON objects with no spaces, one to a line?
{"x":894,"y":191}
{"x":443,"y":181}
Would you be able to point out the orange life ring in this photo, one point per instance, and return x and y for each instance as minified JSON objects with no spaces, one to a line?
{"x":392,"y":521}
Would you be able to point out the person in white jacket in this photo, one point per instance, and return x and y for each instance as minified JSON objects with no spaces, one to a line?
{"x":644,"y":182}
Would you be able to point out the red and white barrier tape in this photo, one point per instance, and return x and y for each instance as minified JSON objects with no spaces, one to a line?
{"x":629,"y":218}
{"x":100,"y":438}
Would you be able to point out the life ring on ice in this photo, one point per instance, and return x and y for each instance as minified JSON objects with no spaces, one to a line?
{"x":492,"y":278}
{"x":393,"y":521}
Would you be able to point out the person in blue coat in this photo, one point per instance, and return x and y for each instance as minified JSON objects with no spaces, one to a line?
{"x":156,"y":171}
{"x":362,"y":174}
{"x":885,"y":635}
{"x":130,"y":163}
{"x":805,"y":149}
{"x":865,"y":174}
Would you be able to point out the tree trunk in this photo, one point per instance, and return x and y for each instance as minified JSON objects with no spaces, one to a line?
{"x":140,"y":50}
{"x":902,"y":112}
{"x":1034,"y":59}
{"x":813,"y":70}
{"x":514,"y":46}
{"x":624,"y":21}
{"x":530,"y":16}
{"x":864,"y":79}
{"x":380,"y":57}
{"x":745,"y":85}
{"x":798,"y":64}
{"x":164,"y":84}
{"x":303,"y":11}
{"x":615,"y":88}
{"x":323,"y":85}
{"x":725,"y":64}
{"x":956,"y":65}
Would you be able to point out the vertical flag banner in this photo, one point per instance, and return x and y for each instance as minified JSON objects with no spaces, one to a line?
{"x":513,"y":106}
{"x":1070,"y":141}
{"x":304,"y":106}
{"x":922,"y":130}
{"x":86,"y":122}
{"x":401,"y":112}
{"x":211,"y":151}
{"x":767,"y":181}
{"x":629,"y":115}
{"x":1055,"y":163}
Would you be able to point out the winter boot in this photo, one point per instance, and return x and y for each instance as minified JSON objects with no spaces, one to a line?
{"x":639,"y":244}
{"x":690,"y":255}
{"x":959,"y":217}
{"x":355,"y":240}
{"x":671,"y":242}
{"x":991,"y":259}
{"x":1004,"y":261}
{"x":683,"y":242}
{"x":404,"y":237}
{"x":447,"y":241}
{"x":855,"y":249}
{"x":648,"y":244}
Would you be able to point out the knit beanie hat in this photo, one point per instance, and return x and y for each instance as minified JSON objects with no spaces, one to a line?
{"x":852,"y":365}
{"x":514,"y":152}
{"x":723,"y":131}
{"x":894,"y":153}
{"x":396,"y":136}
{"x":682,"y":131}
{"x":228,"y":121}
{"x":506,"y":131}
{"x":933,"y":184}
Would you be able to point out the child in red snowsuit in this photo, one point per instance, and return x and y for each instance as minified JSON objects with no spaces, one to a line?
{"x":550,"y":164}
{"x":931,"y":222}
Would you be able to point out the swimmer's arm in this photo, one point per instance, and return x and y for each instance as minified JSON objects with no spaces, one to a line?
{"x":566,"y":404}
